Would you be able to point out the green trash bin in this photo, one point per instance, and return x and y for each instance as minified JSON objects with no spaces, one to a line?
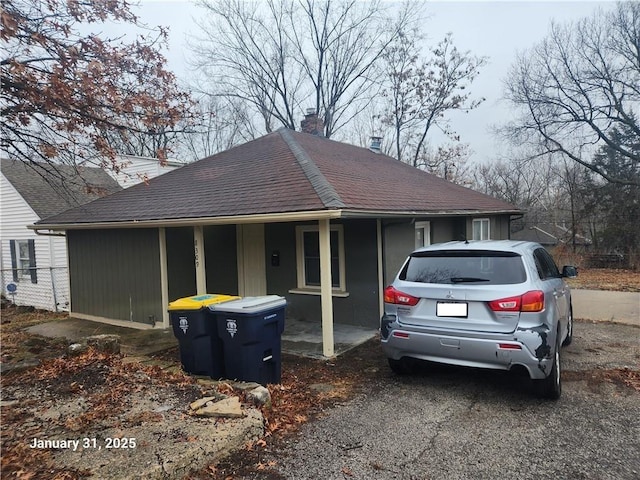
{"x":201,"y":349}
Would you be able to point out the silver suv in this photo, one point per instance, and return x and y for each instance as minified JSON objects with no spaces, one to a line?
{"x":491,"y":304}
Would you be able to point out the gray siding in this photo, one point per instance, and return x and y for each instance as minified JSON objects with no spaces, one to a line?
{"x":498,"y":224}
{"x":221,"y":259}
{"x":280,"y":240}
{"x":502,"y":227}
{"x":181,"y":274}
{"x":116,"y":274}
{"x":360,"y":307}
{"x":399,"y":237}
{"x":220,"y":256}
{"x":399,"y":240}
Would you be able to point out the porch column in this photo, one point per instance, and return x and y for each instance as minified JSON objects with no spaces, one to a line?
{"x":380,"y":267}
{"x":164,"y":278}
{"x":198,"y":248}
{"x":325,"y":287}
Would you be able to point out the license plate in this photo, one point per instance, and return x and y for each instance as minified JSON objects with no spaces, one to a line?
{"x":447,"y":309}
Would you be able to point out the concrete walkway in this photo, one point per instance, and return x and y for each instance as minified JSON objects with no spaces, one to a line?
{"x":621,"y":307}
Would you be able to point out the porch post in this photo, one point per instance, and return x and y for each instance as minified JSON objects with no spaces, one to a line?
{"x":325,"y":287}
{"x":164,"y":278}
{"x":380,"y":267}
{"x":198,"y":247}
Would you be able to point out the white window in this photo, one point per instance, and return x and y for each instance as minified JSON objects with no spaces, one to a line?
{"x":481,"y":229}
{"x":423,"y":234}
{"x":23,"y":261}
{"x":308,"y":257}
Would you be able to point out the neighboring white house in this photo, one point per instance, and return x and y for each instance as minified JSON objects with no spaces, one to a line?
{"x":138,"y":169}
{"x":34,"y":267}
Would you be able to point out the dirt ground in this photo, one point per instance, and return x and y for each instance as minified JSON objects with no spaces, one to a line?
{"x":105,"y":396}
{"x":96,"y":397}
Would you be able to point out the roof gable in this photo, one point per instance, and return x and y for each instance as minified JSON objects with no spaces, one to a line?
{"x":284,"y":172}
{"x":50,"y":190}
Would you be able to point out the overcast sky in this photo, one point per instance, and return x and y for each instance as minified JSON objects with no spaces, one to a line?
{"x":496,"y":29}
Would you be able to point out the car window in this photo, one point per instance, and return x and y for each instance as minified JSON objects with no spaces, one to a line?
{"x":546,"y":266}
{"x":469,"y":267}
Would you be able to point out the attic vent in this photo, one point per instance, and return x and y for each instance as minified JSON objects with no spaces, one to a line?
{"x":376,"y":144}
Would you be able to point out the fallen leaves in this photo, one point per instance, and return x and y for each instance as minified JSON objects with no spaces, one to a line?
{"x":622,"y":377}
{"x":347,"y":471}
{"x":104,"y":387}
{"x":22,"y":462}
{"x":618,"y":280}
{"x":265,"y":465}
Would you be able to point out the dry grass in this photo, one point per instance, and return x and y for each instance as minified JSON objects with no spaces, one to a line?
{"x":607,"y":279}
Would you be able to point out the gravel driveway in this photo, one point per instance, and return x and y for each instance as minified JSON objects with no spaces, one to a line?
{"x":451,"y":423}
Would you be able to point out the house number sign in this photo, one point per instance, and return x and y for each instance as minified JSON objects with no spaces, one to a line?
{"x":196,"y":249}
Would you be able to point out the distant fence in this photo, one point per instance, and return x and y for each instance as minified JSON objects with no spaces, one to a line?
{"x":608,"y":260}
{"x":49,"y":291}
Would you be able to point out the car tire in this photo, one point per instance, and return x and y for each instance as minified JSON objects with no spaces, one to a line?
{"x":569,"y":338}
{"x":551,"y":387}
{"x":400,"y":367}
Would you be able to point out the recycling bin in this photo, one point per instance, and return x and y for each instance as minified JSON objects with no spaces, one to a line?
{"x":195,"y":328}
{"x":251,"y":330}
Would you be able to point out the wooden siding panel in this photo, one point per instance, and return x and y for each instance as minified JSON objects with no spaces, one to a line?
{"x":181,"y":270}
{"x":116,"y":274}
{"x":221,"y":259}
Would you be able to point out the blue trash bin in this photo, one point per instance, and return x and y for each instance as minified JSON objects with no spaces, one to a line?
{"x":195,"y":328}
{"x":251,"y":330}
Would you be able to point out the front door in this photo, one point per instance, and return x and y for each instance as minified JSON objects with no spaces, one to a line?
{"x":252,"y":276}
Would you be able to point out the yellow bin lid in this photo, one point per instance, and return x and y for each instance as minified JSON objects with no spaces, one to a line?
{"x":198,"y":302}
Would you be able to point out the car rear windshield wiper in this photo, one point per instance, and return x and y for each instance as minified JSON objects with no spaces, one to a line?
{"x":467,"y":279}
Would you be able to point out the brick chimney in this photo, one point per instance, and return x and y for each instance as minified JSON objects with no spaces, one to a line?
{"x":375,"y":144}
{"x":312,"y":123}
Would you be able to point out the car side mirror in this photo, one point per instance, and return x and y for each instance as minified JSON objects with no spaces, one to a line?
{"x":569,"y":271}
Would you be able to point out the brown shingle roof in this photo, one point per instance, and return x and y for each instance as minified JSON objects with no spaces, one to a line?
{"x":283,"y":172}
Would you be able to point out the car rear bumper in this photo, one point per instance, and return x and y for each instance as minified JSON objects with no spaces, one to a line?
{"x":527,"y":348}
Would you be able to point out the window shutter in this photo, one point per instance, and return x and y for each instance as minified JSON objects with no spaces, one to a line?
{"x":14,"y":262}
{"x":32,"y":261}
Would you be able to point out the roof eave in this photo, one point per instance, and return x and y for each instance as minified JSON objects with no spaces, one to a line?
{"x":353,"y":213}
{"x":267,"y":218}
{"x":186,"y":222}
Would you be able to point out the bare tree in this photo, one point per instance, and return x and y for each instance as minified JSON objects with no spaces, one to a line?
{"x":420,"y":91}
{"x":579,"y":85}
{"x":520,"y":182}
{"x":64,"y":90}
{"x":222,"y":124}
{"x":448,"y":161}
{"x":284,"y":56}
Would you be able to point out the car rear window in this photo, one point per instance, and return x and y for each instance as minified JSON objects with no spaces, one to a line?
{"x":480,"y":267}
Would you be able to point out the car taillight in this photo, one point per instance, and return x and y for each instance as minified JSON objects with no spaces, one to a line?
{"x":391,"y":295}
{"x":510,"y":304}
{"x":532,"y":301}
